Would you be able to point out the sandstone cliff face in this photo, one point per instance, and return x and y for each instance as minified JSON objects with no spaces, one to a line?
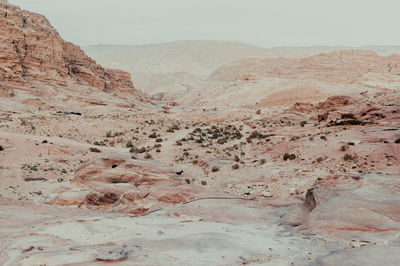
{"x":32,"y":50}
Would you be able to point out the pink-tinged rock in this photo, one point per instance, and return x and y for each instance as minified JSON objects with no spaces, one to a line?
{"x":31,"y":49}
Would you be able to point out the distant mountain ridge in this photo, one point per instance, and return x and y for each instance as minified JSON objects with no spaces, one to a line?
{"x":196,"y":70}
{"x":341,"y":66}
{"x":202,"y":57}
{"x":197,"y":57}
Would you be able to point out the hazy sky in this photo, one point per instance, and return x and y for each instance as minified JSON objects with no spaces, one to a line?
{"x":266,"y":23}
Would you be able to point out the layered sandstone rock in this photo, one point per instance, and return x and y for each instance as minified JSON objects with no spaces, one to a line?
{"x":32,"y":50}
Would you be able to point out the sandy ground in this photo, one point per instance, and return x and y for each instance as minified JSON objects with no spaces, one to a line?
{"x":179,"y":185}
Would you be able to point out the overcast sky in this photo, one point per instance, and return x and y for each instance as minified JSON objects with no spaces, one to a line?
{"x":267,"y":23}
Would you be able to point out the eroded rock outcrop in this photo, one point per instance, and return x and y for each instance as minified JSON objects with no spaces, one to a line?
{"x":32,"y":50}
{"x":367,"y":206}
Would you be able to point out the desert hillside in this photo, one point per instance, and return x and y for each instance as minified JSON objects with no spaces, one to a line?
{"x":173,"y":67}
{"x":236,"y":74}
{"x":196,"y":57}
{"x":271,"y":81}
{"x":38,"y":69}
{"x":202,"y":57}
{"x":342,"y":66}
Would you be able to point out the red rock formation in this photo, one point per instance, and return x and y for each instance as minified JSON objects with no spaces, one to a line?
{"x":335,"y":101}
{"x":32,"y":50}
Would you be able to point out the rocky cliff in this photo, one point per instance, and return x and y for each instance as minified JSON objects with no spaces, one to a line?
{"x":31,"y":50}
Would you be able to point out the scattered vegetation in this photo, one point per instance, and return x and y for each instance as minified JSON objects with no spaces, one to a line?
{"x":129,"y":144}
{"x":214,"y":169}
{"x":137,"y":150}
{"x":95,"y":150}
{"x":28,"y":179}
{"x":303,"y":123}
{"x":348,"y":157}
{"x":344,"y":147}
{"x":262,"y":161}
{"x":289,"y":156}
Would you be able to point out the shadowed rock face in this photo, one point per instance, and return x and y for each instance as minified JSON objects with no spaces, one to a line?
{"x":309,"y":200}
{"x":31,"y":49}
